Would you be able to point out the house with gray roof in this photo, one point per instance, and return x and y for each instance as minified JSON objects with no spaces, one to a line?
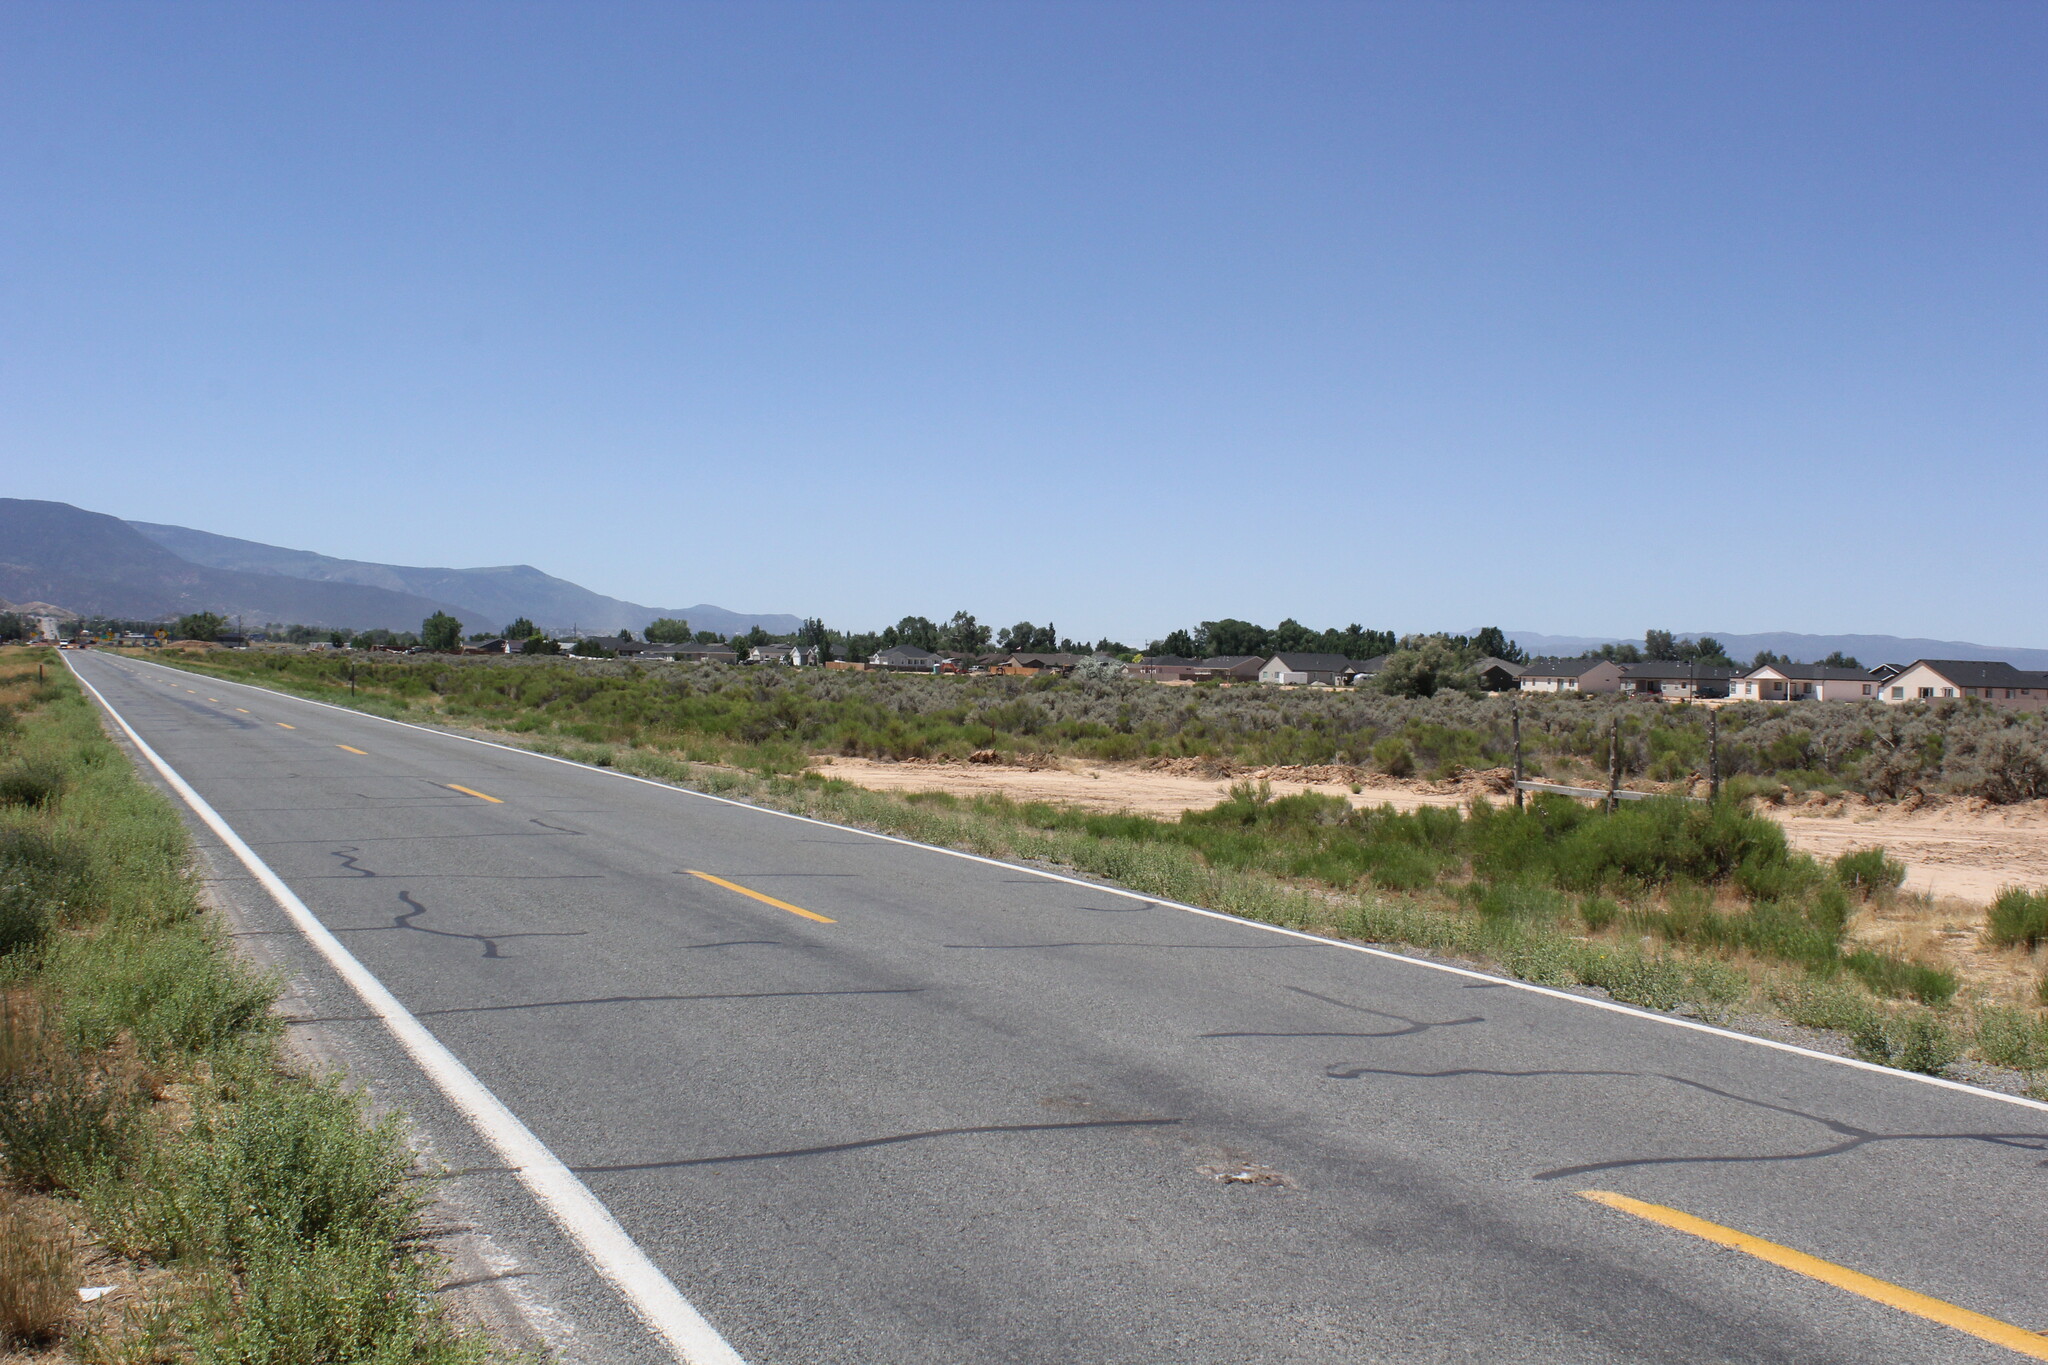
{"x":1996,"y":683}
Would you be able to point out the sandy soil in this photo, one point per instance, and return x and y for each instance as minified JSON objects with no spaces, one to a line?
{"x":1962,"y":850}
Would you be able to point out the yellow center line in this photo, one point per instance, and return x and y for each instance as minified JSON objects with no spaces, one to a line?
{"x":765,"y":900}
{"x":353,"y":749}
{"x":464,"y":790}
{"x":282,"y":726}
{"x":243,"y":709}
{"x":214,"y":700}
{"x":1841,"y":1277}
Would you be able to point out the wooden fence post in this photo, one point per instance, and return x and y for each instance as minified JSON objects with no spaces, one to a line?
{"x":1518,"y":752}
{"x":1714,"y":755}
{"x":1613,"y":764}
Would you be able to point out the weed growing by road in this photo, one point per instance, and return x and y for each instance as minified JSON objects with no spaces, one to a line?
{"x":142,"y":1086}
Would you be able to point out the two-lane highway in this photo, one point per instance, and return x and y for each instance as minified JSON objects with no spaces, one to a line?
{"x":863,"y":1101}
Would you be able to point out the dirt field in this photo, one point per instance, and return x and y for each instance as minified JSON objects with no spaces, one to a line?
{"x":1962,"y":850}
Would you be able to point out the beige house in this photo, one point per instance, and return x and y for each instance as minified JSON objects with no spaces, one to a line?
{"x":2000,"y":684}
{"x":1571,"y":675}
{"x":1804,"y":682}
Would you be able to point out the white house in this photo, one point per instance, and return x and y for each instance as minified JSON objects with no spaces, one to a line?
{"x":1571,"y":675}
{"x":1804,"y":682}
{"x":2000,"y":684}
{"x":1329,"y":669}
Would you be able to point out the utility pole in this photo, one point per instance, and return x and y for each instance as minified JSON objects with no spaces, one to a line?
{"x":1518,"y":750}
{"x":1613,"y":764}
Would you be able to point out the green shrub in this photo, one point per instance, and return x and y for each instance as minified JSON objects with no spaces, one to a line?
{"x":1868,"y":872}
{"x":1911,"y":1042}
{"x":1393,"y":757}
{"x":1827,"y":1004}
{"x":32,"y":782}
{"x":2014,"y":1038}
{"x":2019,"y":916}
{"x":43,"y":881}
{"x":1597,"y":912}
{"x":1891,"y":976}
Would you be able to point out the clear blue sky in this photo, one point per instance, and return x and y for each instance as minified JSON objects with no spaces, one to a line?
{"x":1572,"y":318}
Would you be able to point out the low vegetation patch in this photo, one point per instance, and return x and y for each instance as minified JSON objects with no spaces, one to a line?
{"x":771,"y":720}
{"x":149,"y":1121}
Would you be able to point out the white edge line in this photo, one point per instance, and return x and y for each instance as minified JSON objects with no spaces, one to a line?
{"x":567,"y":1199}
{"x":1611,"y":1006}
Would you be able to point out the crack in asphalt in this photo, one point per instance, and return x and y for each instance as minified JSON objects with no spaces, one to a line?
{"x":657,"y":999}
{"x":1853,"y":1137}
{"x":858,"y":1144}
{"x":489,"y":941}
{"x":1412,"y":1025}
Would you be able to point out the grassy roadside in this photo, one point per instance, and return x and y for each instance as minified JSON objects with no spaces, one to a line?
{"x":154,"y":1134}
{"x":1664,"y":905}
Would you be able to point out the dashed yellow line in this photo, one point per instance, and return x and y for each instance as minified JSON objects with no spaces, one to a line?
{"x":243,"y":709}
{"x":1841,"y":1277}
{"x":765,"y":900}
{"x":282,"y":726}
{"x":353,"y":749}
{"x":466,"y":791}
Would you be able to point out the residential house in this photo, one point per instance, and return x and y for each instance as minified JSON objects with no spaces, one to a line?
{"x":1165,"y":667}
{"x":497,"y":646}
{"x":1675,"y":681}
{"x":1571,"y":675}
{"x":1229,"y":668}
{"x":1495,"y":675}
{"x":714,"y":653}
{"x":1026,"y":665}
{"x":905,"y":659}
{"x":771,"y":654}
{"x":2000,"y":684}
{"x":1803,"y":682}
{"x":1361,"y":671}
{"x":1297,"y":669}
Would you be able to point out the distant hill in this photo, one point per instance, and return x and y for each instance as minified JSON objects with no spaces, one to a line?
{"x":487,"y":599}
{"x":1866,"y":649}
{"x":95,"y":564}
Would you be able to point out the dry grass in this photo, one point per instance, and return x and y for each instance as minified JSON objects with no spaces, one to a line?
{"x":38,"y":1271}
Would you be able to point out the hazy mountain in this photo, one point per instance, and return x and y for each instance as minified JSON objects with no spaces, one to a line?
{"x":1866,"y":649}
{"x":486,"y":599}
{"x":95,"y":564}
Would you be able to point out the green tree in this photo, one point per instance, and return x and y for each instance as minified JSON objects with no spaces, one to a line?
{"x":1765,"y":657}
{"x":200,"y":625}
{"x":813,"y":635}
{"x":441,"y":633}
{"x":591,"y":649}
{"x":964,"y":635}
{"x":1840,"y":660}
{"x":1425,"y":666}
{"x":540,"y":644}
{"x":1493,"y":643}
{"x":1662,"y":646}
{"x":522,"y":629}
{"x":668,"y":630}
{"x":1232,"y":637}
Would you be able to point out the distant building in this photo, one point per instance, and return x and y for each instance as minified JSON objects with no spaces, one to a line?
{"x":1231,"y":668}
{"x":713,"y":653}
{"x":1165,"y":667}
{"x":1498,"y":675}
{"x":905,"y":659}
{"x":1570,"y":675}
{"x":1675,"y":681}
{"x":1299,"y":669}
{"x":1804,"y":682}
{"x":2000,"y":684}
{"x":1359,"y":672}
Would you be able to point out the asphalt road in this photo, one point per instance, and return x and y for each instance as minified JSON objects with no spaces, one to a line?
{"x":980,"y":1115}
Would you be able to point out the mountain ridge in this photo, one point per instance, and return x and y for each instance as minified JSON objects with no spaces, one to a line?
{"x":490,"y":596}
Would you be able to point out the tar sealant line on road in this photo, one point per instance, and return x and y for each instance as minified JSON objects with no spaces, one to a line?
{"x":557,"y":1189}
{"x":1590,"y":1002}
